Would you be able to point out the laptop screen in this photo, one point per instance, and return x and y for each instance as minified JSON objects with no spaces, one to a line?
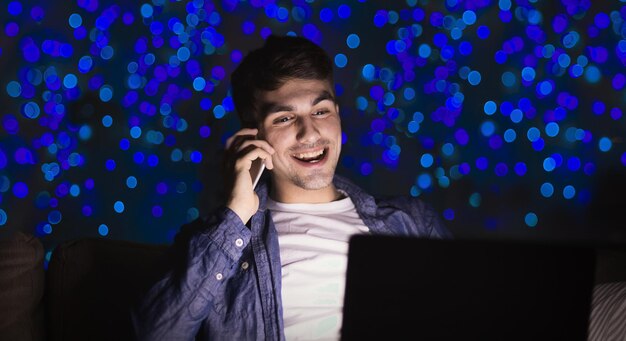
{"x":412,"y":288}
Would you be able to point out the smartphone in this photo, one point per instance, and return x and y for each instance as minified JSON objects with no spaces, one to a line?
{"x":258,"y":166}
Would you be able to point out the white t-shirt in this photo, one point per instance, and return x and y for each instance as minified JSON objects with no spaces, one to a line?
{"x":313,"y":241}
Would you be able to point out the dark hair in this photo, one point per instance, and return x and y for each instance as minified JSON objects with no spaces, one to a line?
{"x":269,"y":67}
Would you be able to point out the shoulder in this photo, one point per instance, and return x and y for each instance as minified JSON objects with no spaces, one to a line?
{"x":405,"y":202}
{"x":419,"y":214}
{"x":414,"y":207}
{"x":398,"y":214}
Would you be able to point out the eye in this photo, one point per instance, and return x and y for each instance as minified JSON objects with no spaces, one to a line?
{"x":282,"y":120}
{"x":321,"y":112}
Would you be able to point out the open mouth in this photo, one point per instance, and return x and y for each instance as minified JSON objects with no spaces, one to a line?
{"x":311,"y":157}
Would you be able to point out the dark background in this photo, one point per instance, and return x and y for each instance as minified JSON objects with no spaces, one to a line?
{"x":145,"y":86}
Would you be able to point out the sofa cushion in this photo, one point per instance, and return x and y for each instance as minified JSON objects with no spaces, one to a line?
{"x":21,"y":288}
{"x":92,"y":285}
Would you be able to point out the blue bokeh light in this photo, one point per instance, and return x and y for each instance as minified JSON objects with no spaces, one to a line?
{"x":353,"y":41}
{"x":426,"y":160}
{"x":3,"y":217}
{"x":474,"y":77}
{"x":531,"y":219}
{"x":341,"y":60}
{"x":162,"y":95}
{"x":547,"y":189}
{"x":605,"y":144}
{"x":75,"y":20}
{"x":103,"y":230}
{"x":146,"y":10}
{"x":569,"y":192}
{"x":119,"y":206}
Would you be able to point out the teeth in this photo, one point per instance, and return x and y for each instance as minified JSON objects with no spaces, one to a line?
{"x":309,"y":155}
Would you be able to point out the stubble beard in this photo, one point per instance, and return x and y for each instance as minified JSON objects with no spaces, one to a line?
{"x":319,"y":179}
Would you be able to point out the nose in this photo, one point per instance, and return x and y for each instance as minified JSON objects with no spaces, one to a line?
{"x":308,"y":131}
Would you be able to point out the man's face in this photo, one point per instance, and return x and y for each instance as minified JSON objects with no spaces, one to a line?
{"x":300,"y":120}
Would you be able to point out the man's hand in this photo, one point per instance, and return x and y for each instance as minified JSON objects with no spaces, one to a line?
{"x":241,"y":149}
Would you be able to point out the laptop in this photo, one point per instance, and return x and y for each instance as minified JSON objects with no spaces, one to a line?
{"x":402,"y":288}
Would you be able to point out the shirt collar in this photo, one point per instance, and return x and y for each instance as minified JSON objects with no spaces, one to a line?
{"x":365,"y":204}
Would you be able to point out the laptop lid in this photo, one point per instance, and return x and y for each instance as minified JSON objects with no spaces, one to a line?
{"x":412,"y":288}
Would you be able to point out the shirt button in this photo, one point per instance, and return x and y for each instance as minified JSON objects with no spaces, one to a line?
{"x":219,"y":276}
{"x":245,"y":265}
{"x":239,"y":242}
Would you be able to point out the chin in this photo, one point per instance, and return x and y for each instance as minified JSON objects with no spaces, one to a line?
{"x":314,"y":181}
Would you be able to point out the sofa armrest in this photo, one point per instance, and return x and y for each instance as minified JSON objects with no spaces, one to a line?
{"x":21,"y":288}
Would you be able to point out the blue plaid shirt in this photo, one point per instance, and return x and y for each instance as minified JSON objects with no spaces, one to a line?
{"x":225,"y":280}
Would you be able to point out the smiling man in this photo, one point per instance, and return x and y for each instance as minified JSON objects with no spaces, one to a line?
{"x":302,"y":123}
{"x":270,"y":263}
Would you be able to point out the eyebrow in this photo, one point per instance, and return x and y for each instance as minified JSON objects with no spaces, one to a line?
{"x":272,"y":107}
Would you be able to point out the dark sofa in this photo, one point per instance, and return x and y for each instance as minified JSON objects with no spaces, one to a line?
{"x":90,"y":285}
{"x":85,"y":294}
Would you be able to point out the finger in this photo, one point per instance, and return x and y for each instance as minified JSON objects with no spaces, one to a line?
{"x":237,"y":141}
{"x":243,"y":132}
{"x":269,"y":162}
{"x":257,"y":143}
{"x":244,"y":161}
{"x":240,"y":146}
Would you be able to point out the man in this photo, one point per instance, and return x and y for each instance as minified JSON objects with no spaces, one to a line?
{"x":270,"y":264}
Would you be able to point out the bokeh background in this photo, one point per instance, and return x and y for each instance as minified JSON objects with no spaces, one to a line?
{"x":506,"y":116}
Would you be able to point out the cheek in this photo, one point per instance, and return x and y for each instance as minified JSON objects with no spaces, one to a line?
{"x":278,"y":141}
{"x":339,"y":145}
{"x":339,"y":138}
{"x":335,"y":130}
{"x":271,"y":136}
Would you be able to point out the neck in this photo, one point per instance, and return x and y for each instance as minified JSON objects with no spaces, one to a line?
{"x":292,"y":194}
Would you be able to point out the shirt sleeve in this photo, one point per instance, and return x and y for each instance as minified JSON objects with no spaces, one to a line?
{"x":434,"y":224}
{"x":415,"y":216}
{"x":205,"y":253}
